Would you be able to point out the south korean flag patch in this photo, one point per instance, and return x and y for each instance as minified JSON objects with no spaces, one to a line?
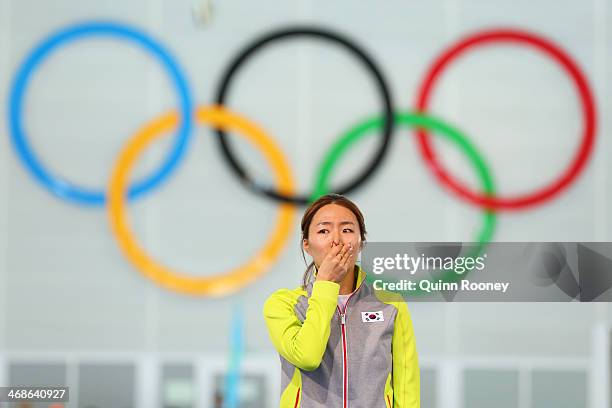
{"x":369,"y":317}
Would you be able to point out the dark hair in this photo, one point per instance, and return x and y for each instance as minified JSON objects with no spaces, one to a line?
{"x":309,"y":215}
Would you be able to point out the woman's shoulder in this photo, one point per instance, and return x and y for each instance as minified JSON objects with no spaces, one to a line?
{"x":287,"y":295}
{"x":388,"y":297}
{"x":394,"y":299}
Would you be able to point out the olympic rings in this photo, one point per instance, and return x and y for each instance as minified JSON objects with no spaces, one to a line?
{"x":586,"y":99}
{"x":328,"y":36}
{"x":362,"y":129}
{"x":118,"y":192}
{"x":221,"y":284}
{"x":58,"y":186}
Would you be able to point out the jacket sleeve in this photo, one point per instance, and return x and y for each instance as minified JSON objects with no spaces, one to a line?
{"x":302,"y":344}
{"x":406,"y":374}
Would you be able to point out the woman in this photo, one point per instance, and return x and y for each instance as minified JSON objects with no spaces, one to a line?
{"x":340,"y":344}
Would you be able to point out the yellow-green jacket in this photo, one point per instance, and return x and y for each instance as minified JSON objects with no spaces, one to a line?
{"x":361,"y":357}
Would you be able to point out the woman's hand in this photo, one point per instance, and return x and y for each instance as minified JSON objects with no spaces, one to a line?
{"x":334,"y":266}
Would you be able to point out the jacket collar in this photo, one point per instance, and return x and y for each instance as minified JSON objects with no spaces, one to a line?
{"x":361,"y":275}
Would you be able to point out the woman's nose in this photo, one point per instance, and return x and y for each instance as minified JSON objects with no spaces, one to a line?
{"x":336,"y":239}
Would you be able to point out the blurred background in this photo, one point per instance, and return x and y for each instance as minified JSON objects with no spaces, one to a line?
{"x":75,"y":312}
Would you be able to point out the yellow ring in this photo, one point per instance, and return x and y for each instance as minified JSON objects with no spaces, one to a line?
{"x":222,"y":283}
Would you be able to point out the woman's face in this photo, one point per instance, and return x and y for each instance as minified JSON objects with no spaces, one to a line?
{"x":332,"y":225}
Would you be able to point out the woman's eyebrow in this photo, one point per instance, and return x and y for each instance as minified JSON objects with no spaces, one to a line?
{"x":341,"y":223}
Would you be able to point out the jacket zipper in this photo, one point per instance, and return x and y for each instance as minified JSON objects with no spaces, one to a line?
{"x":344,"y":359}
{"x":297,"y":398}
{"x":344,"y":352}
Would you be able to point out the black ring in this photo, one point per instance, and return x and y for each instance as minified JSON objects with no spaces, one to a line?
{"x":326,"y":35}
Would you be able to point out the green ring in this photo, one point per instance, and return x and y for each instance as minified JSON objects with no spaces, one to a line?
{"x":415,"y":121}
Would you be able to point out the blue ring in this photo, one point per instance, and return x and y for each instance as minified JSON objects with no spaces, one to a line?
{"x":60,"y":187}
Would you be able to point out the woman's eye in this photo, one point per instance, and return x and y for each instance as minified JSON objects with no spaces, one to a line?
{"x":326,"y":230}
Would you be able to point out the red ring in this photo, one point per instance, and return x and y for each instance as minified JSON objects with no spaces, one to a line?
{"x":588,"y":112}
